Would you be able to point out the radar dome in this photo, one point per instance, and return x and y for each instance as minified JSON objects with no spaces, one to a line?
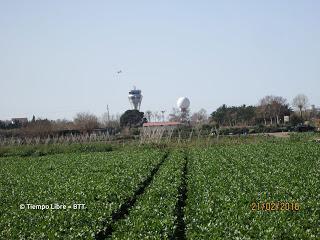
{"x":183,"y":103}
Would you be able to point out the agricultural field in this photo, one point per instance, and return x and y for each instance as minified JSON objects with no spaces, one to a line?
{"x":226,"y":184}
{"x":259,"y":189}
{"x":101,"y":181}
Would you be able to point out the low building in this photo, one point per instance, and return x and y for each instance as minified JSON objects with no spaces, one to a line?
{"x":161,"y":124}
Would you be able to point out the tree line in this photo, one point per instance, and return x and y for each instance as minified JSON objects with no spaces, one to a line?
{"x":271,"y":110}
{"x":83,"y":122}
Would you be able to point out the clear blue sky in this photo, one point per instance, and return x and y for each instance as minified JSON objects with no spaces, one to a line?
{"x":61,"y":57}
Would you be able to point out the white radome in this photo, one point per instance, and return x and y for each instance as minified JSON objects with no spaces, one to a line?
{"x":183,"y":103}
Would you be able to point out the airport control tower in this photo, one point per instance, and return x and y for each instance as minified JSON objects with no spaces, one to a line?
{"x":135,"y":98}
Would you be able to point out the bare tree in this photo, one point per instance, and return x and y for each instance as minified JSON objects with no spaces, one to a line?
{"x":109,"y":121}
{"x":174,"y":116}
{"x":178,"y":116}
{"x":104,"y":120}
{"x":86,"y":121}
{"x":272,"y":107}
{"x":261,"y":113}
{"x":264,"y":108}
{"x":148,"y":115}
{"x":157,"y":116}
{"x":277,"y":104}
{"x":62,"y":124}
{"x":199,"y":117}
{"x":40,"y":128}
{"x":314,"y":112}
{"x":300,"y":102}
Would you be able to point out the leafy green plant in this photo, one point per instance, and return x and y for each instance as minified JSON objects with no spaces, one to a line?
{"x":42,"y":150}
{"x":225,"y":180}
{"x":154,"y":214}
{"x":101,"y":181}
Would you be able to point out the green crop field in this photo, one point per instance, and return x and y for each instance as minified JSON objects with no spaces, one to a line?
{"x":259,"y":189}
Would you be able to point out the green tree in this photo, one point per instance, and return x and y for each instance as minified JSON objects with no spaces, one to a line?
{"x":132,"y":118}
{"x":220,"y":115}
{"x":234,"y":115}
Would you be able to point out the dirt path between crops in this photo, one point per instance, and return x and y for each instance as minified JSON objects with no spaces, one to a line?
{"x":125,"y":208}
{"x":276,"y":134}
{"x":280,"y":134}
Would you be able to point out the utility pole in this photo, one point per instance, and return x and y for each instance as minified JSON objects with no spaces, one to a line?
{"x":108,"y":114}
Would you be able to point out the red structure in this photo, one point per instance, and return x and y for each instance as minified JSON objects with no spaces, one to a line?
{"x":160,"y":124}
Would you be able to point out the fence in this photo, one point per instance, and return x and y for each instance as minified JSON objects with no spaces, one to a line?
{"x":58,"y":139}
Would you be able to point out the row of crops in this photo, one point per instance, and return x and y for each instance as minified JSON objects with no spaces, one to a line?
{"x":193,"y":193}
{"x":154,"y":215}
{"x":101,"y":181}
{"x":226,"y":181}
